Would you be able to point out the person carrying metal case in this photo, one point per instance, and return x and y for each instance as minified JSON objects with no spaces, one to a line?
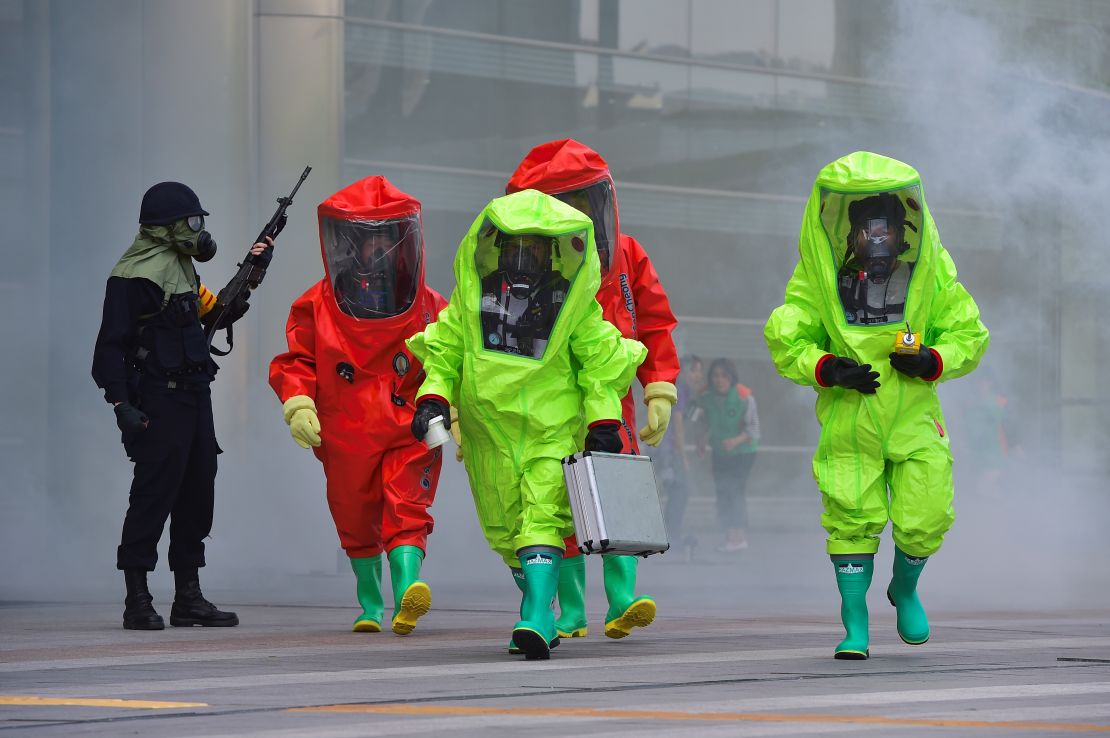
{"x":151,"y":359}
{"x":347,"y":385}
{"x":523,"y":351}
{"x":632,"y":299}
{"x":873,"y":319}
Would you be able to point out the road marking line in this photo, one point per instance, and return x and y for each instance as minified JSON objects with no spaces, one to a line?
{"x":32,"y":701}
{"x":967,"y":650}
{"x":679,"y":716}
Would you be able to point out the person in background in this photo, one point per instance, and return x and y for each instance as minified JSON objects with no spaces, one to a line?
{"x":672,"y":462}
{"x":983,"y":434}
{"x":732,"y":421}
{"x":693,"y":374}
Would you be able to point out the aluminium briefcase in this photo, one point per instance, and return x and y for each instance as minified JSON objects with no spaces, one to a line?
{"x":614,"y":499}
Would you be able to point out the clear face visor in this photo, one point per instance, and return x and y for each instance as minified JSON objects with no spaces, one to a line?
{"x":597,"y":202}
{"x":195,"y":223}
{"x":525,"y":280}
{"x":873,"y":232}
{"x":374,"y":266}
{"x":875,"y":240}
{"x":525,"y":258}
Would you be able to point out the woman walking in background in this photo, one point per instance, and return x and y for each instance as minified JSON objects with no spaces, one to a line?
{"x":733,"y":429}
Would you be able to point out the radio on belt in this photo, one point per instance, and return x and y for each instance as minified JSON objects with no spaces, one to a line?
{"x":614,"y":499}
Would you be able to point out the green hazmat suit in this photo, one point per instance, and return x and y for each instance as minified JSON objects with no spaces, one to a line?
{"x":897,"y":437}
{"x":525,"y":393}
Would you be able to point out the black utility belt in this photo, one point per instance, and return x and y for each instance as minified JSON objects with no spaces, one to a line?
{"x":177,"y":384}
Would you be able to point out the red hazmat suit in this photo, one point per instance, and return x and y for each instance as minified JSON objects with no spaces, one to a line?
{"x":347,"y":352}
{"x":631,"y":296}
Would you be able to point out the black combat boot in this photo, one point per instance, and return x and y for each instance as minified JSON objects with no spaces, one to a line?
{"x":138,"y":606}
{"x":190,"y":607}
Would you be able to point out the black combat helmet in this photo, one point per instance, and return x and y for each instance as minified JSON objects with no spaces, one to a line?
{"x":167,"y":202}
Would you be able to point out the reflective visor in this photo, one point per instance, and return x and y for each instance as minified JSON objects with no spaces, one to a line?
{"x":875,"y":238}
{"x":597,"y":202}
{"x":525,"y":280}
{"x":374,"y":265}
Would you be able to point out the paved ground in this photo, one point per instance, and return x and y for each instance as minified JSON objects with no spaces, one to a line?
{"x":743,"y":644}
{"x":295,"y":670}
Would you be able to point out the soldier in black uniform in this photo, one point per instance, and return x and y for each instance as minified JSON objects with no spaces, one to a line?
{"x":152,"y":361}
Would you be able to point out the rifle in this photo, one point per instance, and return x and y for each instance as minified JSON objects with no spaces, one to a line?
{"x":252,"y":270}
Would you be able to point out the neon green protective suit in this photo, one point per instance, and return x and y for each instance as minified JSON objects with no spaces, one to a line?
{"x":897,"y":437}
{"x":523,"y":408}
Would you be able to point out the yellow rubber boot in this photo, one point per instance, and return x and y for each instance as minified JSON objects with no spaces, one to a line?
{"x":626,"y":610}
{"x":412,"y":598}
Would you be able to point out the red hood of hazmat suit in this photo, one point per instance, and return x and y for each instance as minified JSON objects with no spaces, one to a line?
{"x":347,"y":355}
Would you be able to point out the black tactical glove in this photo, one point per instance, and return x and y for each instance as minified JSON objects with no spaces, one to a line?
{"x":840,"y":371}
{"x":130,"y":419}
{"x":922,"y":364}
{"x":427,"y":409}
{"x":237,"y":309}
{"x":605,"y":437}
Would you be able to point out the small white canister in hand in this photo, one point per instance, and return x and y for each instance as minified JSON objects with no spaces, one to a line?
{"x":437,"y":435}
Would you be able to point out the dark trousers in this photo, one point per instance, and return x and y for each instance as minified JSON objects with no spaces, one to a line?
{"x":175,"y":475}
{"x":672,"y":478}
{"x":730,"y":477}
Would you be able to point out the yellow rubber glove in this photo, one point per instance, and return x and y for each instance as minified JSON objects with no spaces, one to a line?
{"x":304,"y":425}
{"x":456,"y":433}
{"x":659,"y":397}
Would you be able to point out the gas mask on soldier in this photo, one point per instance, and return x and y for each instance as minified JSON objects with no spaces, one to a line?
{"x":189,"y":238}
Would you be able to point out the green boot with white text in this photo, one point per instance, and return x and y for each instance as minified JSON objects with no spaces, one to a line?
{"x":913,"y":624}
{"x":518,"y":579}
{"x":853,"y":578}
{"x":535,"y":630}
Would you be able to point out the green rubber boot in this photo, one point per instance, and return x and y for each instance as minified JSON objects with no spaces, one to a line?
{"x":626,"y":610}
{"x":535,"y":631}
{"x":853,"y":577}
{"x":368,"y":576}
{"x":571,"y":622}
{"x":518,"y":579}
{"x":411,"y":597}
{"x":913,"y":624}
